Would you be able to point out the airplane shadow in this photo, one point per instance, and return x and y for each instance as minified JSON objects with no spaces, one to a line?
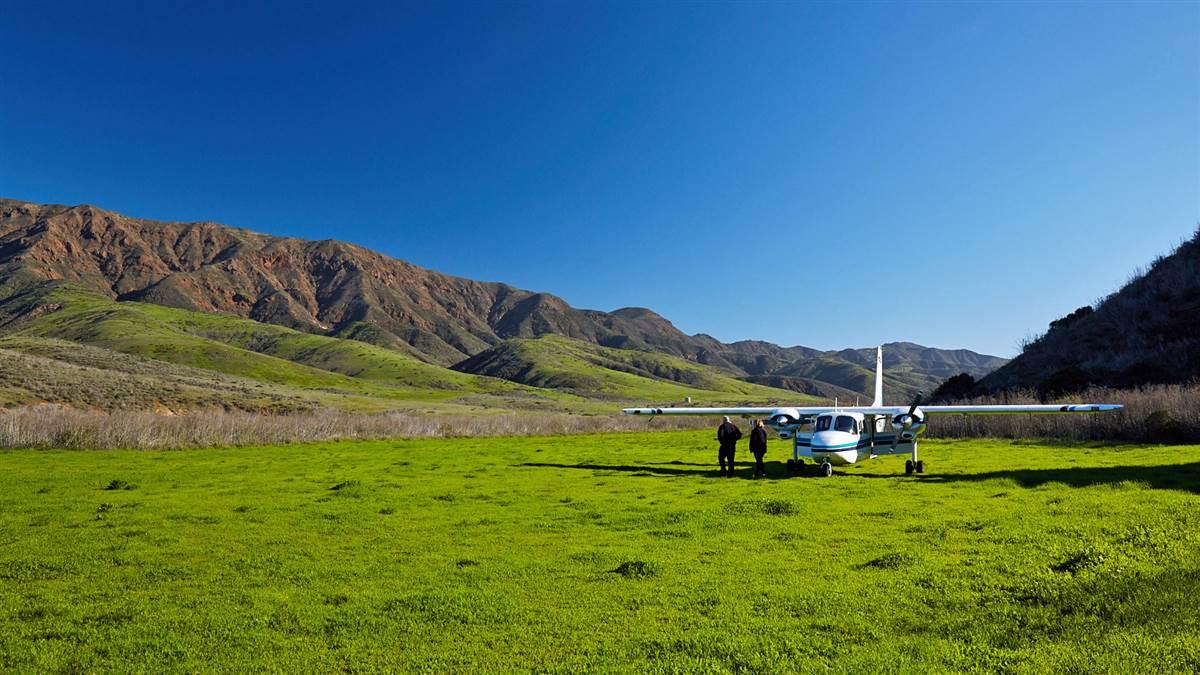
{"x":745,"y":470}
{"x":1185,"y":477}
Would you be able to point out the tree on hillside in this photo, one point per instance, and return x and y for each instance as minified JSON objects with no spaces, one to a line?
{"x":954,"y":387}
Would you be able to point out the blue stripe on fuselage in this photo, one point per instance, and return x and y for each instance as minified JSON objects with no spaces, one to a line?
{"x":864,"y":442}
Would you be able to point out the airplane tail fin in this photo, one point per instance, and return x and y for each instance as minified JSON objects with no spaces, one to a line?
{"x":878,"y":378}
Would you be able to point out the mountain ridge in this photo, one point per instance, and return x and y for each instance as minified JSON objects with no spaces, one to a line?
{"x":339,"y":289}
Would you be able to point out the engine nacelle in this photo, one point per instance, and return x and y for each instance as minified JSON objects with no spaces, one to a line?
{"x":784,"y":417}
{"x":785,"y":422}
{"x":909,"y":425}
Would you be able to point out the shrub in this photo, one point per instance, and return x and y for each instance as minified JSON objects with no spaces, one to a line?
{"x":51,"y":426}
{"x":954,"y":387}
{"x":1069,"y":380}
{"x":1177,"y":419}
{"x":1164,"y":428}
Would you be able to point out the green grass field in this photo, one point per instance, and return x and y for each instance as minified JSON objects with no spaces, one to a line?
{"x":598,"y":553}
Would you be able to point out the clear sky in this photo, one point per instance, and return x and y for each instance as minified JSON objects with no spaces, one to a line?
{"x":844,"y":174}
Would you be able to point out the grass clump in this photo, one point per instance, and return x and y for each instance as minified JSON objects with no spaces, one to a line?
{"x":118,"y":484}
{"x":351,"y":488}
{"x":1083,"y":561}
{"x":636,"y":569}
{"x":890,"y":561}
{"x":768,"y":506}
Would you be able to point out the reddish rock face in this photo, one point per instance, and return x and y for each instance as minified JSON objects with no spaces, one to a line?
{"x":344,"y":290}
{"x":317,"y":286}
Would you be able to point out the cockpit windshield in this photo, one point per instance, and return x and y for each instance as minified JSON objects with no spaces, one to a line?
{"x":847,"y":424}
{"x":823,"y":423}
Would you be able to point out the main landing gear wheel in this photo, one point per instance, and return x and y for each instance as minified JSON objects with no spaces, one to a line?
{"x":920,"y":466}
{"x":791,"y":466}
{"x":909,"y":467}
{"x":826,"y":469}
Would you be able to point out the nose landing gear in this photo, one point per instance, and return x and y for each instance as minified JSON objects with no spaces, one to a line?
{"x":826,"y":469}
{"x":911,"y":466}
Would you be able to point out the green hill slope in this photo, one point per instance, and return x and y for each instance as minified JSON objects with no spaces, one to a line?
{"x":41,"y":370}
{"x":308,"y":369}
{"x":587,"y":369}
{"x":900,"y":381}
{"x":97,"y":352}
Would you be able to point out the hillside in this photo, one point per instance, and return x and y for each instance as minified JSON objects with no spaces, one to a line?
{"x":556,"y":362}
{"x":66,"y":345}
{"x":339,"y":309}
{"x":326,"y":287}
{"x":1147,"y":332}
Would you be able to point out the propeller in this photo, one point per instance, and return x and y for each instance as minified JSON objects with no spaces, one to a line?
{"x":916,"y":402}
{"x":904,"y":422}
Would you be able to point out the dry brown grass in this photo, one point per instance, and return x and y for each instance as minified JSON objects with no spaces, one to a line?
{"x":1156,"y":414}
{"x":50,"y":426}
{"x":1152,"y":414}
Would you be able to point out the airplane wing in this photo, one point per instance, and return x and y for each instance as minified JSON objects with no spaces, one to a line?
{"x":891,"y":411}
{"x":732,"y":412}
{"x":752,"y":412}
{"x":794,"y":414}
{"x":1018,"y":409}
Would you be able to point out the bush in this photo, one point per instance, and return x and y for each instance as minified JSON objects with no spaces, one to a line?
{"x":955,"y":387}
{"x":1155,"y":414}
{"x":1063,"y":382}
{"x":51,"y":426}
{"x":1161,"y":427}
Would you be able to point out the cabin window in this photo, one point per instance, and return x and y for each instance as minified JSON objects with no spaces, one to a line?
{"x":823,"y":423}
{"x":847,"y":424}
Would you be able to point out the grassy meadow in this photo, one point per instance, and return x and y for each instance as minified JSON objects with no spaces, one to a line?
{"x":603,"y":552}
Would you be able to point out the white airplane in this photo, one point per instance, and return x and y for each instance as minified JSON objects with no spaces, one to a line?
{"x":846,"y":435}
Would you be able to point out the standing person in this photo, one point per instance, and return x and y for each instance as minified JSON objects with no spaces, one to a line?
{"x":727,"y":435}
{"x":758,"y":447}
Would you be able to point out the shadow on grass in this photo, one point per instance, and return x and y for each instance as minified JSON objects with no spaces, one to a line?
{"x":775,"y":470}
{"x":1184,"y":477}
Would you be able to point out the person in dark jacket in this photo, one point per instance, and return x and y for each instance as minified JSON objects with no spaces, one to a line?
{"x":758,"y":447}
{"x":727,"y":435}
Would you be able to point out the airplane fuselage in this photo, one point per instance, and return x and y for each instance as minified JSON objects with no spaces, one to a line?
{"x":842,"y":448}
{"x":841,"y":438}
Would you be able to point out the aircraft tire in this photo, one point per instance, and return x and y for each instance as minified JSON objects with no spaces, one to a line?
{"x":791,"y":466}
{"x":826,"y":469}
{"x":909,"y":467}
{"x":920,"y":467}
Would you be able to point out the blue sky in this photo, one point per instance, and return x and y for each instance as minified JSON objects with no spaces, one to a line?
{"x":954,"y":174}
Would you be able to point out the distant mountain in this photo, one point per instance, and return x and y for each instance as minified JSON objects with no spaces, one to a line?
{"x":907,"y":368}
{"x":341,"y":291}
{"x":1147,"y":332}
{"x":591,"y":370}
